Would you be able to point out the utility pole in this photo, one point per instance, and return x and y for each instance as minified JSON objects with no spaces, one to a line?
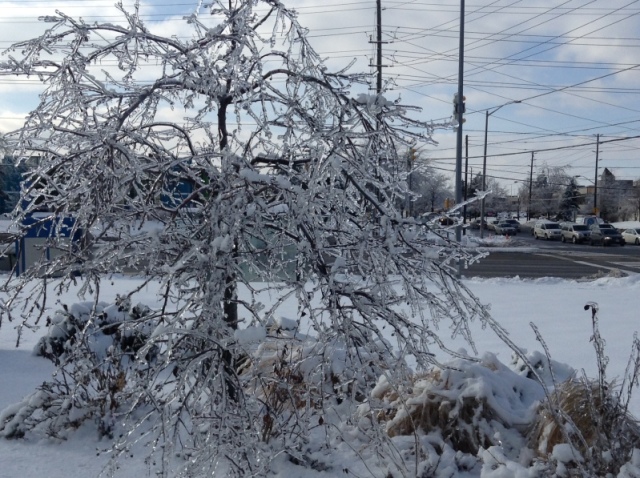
{"x":378,"y":42}
{"x":466,"y":180}
{"x":460,"y":111}
{"x":379,"y":46}
{"x":595,"y":181}
{"x":530,"y":188}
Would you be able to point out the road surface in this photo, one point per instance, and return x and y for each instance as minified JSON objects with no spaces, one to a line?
{"x":528,"y":258}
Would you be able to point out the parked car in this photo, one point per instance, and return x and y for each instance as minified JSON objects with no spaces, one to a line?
{"x":505,"y":229}
{"x":547,"y":230}
{"x":491,"y":223}
{"x":631,"y":236}
{"x":514,"y":223}
{"x":576,"y":233}
{"x":605,"y":234}
{"x":475,"y":224}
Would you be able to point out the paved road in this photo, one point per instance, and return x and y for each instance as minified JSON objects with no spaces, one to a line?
{"x":554,"y":259}
{"x":552,"y":264}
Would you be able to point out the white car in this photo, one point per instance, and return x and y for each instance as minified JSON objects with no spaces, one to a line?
{"x":547,"y":230}
{"x":631,"y":236}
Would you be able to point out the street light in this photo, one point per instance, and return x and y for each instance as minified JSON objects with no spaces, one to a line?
{"x":484,"y":161}
{"x":595,"y":190}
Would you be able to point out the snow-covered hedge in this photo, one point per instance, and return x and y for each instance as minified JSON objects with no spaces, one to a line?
{"x":95,"y":347}
{"x":469,"y":416}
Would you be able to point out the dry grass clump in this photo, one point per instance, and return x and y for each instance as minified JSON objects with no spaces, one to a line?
{"x":576,"y":400}
{"x":589,"y":416}
{"x":455,"y":420}
{"x":274,"y":376}
{"x":295,"y":380}
{"x":458,"y":403}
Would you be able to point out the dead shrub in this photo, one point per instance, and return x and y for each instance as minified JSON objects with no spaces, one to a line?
{"x":274,"y":376}
{"x":466,"y":404}
{"x":295,"y":379}
{"x":456,"y":421}
{"x":591,"y":420}
{"x":591,"y":415}
{"x":576,"y":399}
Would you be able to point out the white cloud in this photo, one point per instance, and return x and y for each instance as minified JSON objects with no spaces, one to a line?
{"x":554,"y":45}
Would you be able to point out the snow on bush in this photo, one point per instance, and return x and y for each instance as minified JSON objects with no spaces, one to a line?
{"x":472,"y":403}
{"x":95,"y":347}
{"x":474,"y":416}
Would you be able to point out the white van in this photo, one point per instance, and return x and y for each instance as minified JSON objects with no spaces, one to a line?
{"x":547,"y":230}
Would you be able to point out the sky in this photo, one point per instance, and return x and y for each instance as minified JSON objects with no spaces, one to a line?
{"x":556,"y":77}
{"x":556,"y":306}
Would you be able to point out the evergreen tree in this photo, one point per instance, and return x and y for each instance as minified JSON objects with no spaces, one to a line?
{"x":570,"y":203}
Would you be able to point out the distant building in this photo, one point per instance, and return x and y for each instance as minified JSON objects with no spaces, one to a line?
{"x":613,"y":196}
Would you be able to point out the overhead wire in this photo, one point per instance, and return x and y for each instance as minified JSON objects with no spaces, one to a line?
{"x":486,"y":10}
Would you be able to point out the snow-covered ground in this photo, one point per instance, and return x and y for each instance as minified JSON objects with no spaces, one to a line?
{"x":554,"y":305}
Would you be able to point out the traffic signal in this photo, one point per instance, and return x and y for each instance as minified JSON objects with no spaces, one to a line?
{"x":459,"y":107}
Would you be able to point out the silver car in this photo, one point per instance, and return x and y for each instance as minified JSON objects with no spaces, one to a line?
{"x":505,"y":229}
{"x":576,"y":233}
{"x":515,"y":223}
{"x":632,"y":236}
{"x":547,"y":230}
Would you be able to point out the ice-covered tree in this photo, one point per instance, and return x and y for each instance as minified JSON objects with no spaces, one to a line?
{"x":228,"y":164}
{"x":495,"y":201}
{"x":433,"y":189}
{"x":548,"y":187}
{"x":570,"y":203}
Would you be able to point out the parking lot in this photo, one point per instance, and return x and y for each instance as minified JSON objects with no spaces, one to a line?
{"x":525,"y":237}
{"x":523,"y":256}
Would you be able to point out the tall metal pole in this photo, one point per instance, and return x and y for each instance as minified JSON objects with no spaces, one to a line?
{"x":379,"y":46}
{"x":460,"y":102}
{"x":378,"y":43}
{"x":595,"y":181}
{"x":466,"y":179}
{"x":530,"y":188}
{"x":484,"y":172}
{"x":484,"y":160}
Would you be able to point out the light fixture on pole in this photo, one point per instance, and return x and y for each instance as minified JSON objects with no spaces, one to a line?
{"x":484,"y":161}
